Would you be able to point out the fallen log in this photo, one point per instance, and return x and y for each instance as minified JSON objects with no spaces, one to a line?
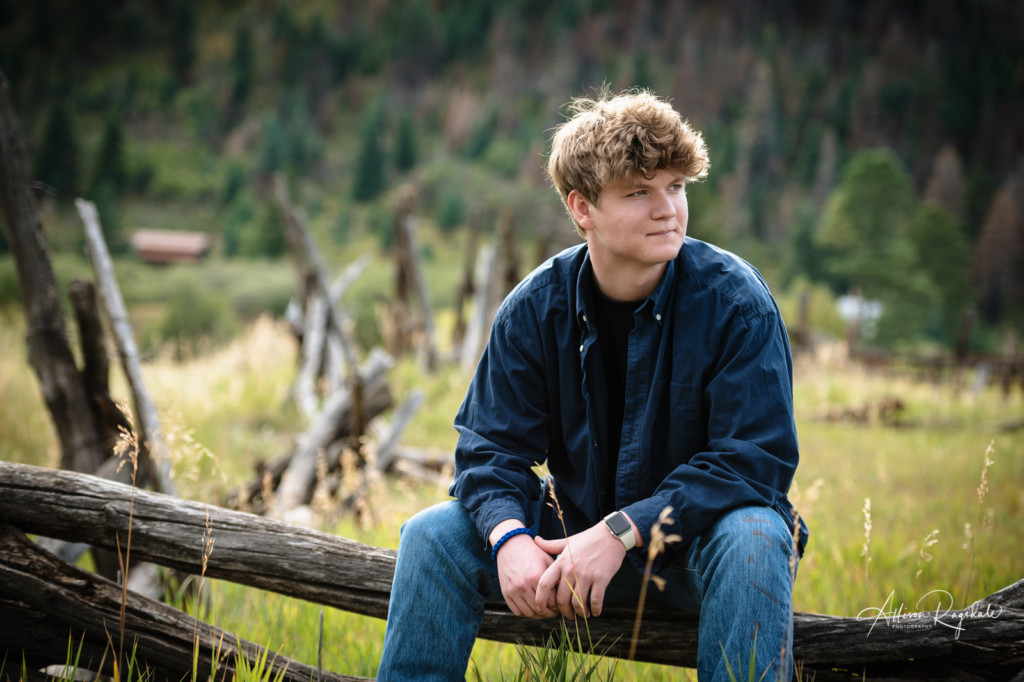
{"x":331,"y":427}
{"x":299,"y":478}
{"x":984,"y":641}
{"x":46,"y":602}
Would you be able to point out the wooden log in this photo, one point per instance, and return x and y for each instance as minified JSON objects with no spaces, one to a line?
{"x":257,"y":494}
{"x":387,"y":446}
{"x":152,"y":449}
{"x":321,"y":347}
{"x":299,"y":478}
{"x":984,"y":641}
{"x":311,"y":355}
{"x":465,"y":291}
{"x":96,"y":364}
{"x":483,"y":312}
{"x":62,"y":602}
{"x":410,"y":276}
{"x":305,"y":252}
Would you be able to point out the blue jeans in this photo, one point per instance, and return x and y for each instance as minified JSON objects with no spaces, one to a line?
{"x":736,"y":575}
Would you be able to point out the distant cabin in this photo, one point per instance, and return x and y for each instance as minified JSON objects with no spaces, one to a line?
{"x":170,"y":246}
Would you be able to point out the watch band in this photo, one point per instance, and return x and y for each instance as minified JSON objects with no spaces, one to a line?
{"x":619,"y":526}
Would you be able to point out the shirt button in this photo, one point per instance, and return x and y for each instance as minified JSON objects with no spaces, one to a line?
{"x":584,"y":318}
{"x":581,"y":347}
{"x":658,"y":317}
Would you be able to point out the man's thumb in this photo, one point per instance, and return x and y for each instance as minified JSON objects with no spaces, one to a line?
{"x":551,"y":546}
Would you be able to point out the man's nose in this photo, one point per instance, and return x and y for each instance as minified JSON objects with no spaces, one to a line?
{"x":664,"y":206}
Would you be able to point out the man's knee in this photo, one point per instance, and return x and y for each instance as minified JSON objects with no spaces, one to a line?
{"x":751,"y":537}
{"x":436,"y":526}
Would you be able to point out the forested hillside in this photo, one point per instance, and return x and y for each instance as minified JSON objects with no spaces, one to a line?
{"x":873,"y":146}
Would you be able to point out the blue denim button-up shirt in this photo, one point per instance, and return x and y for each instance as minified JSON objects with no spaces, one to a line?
{"x":708,"y":420}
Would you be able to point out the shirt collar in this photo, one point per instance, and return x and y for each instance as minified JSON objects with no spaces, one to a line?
{"x":656,"y":304}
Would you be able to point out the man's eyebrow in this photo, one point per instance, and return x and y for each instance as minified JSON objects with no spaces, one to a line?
{"x":640,"y":182}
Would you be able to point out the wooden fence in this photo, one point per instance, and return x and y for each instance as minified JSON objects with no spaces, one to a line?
{"x":984,"y":641}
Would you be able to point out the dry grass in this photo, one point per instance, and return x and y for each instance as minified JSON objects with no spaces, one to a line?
{"x":944,"y":489}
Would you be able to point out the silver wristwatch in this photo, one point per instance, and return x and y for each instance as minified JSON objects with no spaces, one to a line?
{"x":621,"y":528}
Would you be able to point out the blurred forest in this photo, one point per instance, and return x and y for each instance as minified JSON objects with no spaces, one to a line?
{"x":871,"y":147}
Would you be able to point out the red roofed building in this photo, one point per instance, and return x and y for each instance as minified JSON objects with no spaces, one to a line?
{"x":170,"y":246}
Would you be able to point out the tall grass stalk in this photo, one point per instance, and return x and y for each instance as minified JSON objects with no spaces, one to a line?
{"x":659,"y":541}
{"x":982,"y":491}
{"x":923,"y":555}
{"x":126,"y":449}
{"x":866,"y":549}
{"x":214,"y":655}
{"x":558,"y":660}
{"x":575,"y":594}
{"x":259,"y":670}
{"x":751,"y":664}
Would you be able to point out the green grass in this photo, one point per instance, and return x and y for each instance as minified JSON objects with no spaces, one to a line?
{"x":228,"y":408}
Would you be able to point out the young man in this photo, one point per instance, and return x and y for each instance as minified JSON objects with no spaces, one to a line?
{"x":648,"y":371}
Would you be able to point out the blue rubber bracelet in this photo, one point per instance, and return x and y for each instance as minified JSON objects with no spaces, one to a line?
{"x":507,"y":536}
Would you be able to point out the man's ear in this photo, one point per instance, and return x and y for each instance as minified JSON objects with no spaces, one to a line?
{"x":580,"y":209}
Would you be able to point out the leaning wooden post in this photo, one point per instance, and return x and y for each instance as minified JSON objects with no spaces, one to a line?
{"x":300,"y":238}
{"x":150,"y":439}
{"x":47,"y":339}
{"x":410,"y":273}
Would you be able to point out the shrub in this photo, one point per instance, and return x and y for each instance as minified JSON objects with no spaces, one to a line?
{"x":194,"y":317}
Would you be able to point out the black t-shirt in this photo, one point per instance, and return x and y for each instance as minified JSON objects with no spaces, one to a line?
{"x":614,"y":322}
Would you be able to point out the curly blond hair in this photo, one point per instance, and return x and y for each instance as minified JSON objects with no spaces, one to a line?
{"x":611,"y":138}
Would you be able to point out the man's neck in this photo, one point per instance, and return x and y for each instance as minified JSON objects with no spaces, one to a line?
{"x":628,"y":285}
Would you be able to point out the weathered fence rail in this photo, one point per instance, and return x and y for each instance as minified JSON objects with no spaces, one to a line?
{"x":985,"y":641}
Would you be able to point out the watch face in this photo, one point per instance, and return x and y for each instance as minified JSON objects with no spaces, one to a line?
{"x":618,"y":524}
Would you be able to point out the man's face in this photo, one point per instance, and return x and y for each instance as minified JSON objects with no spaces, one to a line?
{"x":636,"y":223}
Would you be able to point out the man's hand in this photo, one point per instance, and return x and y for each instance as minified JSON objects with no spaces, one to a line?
{"x":577,"y":580}
{"x":520,"y":565}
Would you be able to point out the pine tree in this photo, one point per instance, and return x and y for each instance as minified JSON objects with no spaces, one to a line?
{"x":999,"y":260}
{"x":369,"y":171}
{"x":864,"y":234}
{"x":405,"y":144}
{"x":944,"y":255}
{"x":242,"y":75}
{"x":864,"y":224}
{"x":110,"y":169}
{"x":56,"y":163}
{"x":183,"y":41}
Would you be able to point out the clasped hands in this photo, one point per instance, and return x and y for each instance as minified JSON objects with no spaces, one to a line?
{"x":544,"y":578}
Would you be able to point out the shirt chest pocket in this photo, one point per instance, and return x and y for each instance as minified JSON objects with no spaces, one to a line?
{"x":680,"y":428}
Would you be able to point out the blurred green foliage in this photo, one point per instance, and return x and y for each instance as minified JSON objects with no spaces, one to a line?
{"x":824,"y":127}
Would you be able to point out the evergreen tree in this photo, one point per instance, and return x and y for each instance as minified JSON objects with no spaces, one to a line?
{"x":405,"y":143}
{"x":110,"y":169}
{"x":273,"y":154}
{"x":370,"y":177}
{"x":243,"y":60}
{"x":864,"y":226}
{"x":944,"y":255}
{"x":999,"y":259}
{"x":56,"y":163}
{"x":864,"y":235}
{"x":183,"y":41}
{"x":264,"y":236}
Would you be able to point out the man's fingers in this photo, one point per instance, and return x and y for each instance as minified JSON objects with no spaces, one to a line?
{"x":547,"y":585}
{"x":552,"y":547}
{"x":596,"y":599}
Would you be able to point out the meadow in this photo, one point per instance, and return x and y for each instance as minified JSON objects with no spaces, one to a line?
{"x":896,"y":512}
